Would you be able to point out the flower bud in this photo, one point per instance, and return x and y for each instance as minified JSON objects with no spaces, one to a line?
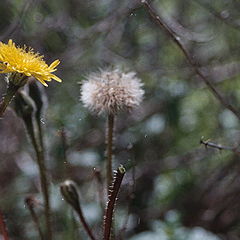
{"x":69,"y":192}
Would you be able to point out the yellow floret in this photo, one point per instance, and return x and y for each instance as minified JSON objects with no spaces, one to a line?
{"x":25,"y":61}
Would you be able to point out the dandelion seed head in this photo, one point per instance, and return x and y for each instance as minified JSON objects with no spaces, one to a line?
{"x":110,"y":91}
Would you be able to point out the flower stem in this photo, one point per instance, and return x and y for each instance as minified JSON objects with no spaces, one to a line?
{"x":108,"y":218}
{"x":84,"y":223}
{"x":45,"y":190}
{"x":6,"y":100}
{"x":70,"y":194}
{"x":44,"y":180}
{"x":109,"y":142}
{"x":44,"y":184}
{"x":26,"y":109}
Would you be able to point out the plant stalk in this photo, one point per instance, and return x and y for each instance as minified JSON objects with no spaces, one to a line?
{"x":109,"y":141}
{"x":45,"y":190}
{"x":39,"y":150}
{"x":6,"y":100}
{"x":84,"y":223}
{"x":28,"y":111}
{"x":70,"y":193}
{"x":108,"y":218}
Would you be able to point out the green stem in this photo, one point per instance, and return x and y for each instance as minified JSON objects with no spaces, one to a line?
{"x":110,"y":128}
{"x":38,"y":146}
{"x":6,"y":100}
{"x":84,"y":223}
{"x":45,"y":190}
{"x":26,"y":108}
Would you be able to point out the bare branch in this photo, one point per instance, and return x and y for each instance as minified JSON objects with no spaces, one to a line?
{"x":157,"y":19}
{"x":207,"y":144}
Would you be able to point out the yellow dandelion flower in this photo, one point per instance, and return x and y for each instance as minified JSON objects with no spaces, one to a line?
{"x":14,"y":59}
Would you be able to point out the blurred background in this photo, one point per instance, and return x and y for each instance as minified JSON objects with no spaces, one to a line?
{"x":175,"y":188}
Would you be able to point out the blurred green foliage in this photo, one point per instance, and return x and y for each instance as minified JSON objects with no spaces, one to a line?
{"x":169,"y":171}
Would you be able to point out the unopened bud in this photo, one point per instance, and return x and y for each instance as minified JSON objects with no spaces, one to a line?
{"x":69,"y":192}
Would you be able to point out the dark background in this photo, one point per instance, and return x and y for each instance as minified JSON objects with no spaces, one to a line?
{"x":175,"y":188}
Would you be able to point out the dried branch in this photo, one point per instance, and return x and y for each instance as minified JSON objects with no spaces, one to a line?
{"x":108,"y":218}
{"x":3,"y":228}
{"x":157,"y":19}
{"x":207,"y":144}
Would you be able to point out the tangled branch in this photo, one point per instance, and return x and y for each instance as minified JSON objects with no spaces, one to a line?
{"x":157,"y":19}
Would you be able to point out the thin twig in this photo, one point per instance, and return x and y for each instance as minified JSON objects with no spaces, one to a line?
{"x":3,"y":227}
{"x":108,"y":218}
{"x":207,"y":144}
{"x":30,"y":203}
{"x":157,"y":19}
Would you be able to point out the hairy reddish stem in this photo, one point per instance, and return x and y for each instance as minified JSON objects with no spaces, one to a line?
{"x":3,"y":227}
{"x":108,"y":218}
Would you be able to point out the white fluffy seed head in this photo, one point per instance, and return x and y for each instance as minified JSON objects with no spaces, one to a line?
{"x":110,"y":91}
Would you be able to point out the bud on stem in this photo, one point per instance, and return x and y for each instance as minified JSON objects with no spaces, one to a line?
{"x":70,"y":194}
